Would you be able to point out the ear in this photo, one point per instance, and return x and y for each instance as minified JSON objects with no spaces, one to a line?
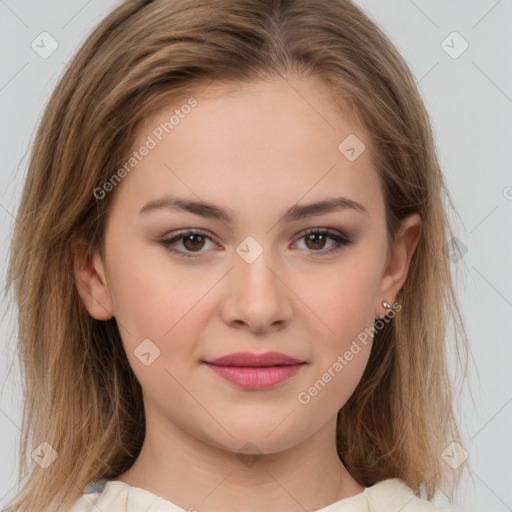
{"x":91,"y":281}
{"x":399,"y":259}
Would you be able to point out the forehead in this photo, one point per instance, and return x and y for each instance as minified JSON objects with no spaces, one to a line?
{"x":275,"y":140}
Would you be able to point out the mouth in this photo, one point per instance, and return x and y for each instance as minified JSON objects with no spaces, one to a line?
{"x":255,"y":371}
{"x":256,"y":377}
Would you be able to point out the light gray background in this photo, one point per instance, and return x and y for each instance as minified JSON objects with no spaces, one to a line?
{"x":470,"y":102}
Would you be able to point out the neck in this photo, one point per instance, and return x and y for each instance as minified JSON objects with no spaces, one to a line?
{"x":190,"y":472}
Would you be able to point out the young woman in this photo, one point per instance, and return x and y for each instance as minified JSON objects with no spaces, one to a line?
{"x":231,"y":270}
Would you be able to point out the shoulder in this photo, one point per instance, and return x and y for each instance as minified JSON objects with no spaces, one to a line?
{"x":390,"y":495}
{"x":98,"y":496}
{"x":393,"y":494}
{"x":116,"y":496}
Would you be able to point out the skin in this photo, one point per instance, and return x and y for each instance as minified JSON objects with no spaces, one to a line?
{"x":256,"y":150}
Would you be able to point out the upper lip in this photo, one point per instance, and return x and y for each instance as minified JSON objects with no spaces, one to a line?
{"x":251,"y":359}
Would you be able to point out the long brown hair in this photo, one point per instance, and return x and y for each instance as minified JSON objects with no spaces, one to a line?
{"x":81,"y":396}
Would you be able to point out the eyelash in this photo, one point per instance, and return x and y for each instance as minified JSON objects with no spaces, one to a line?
{"x":340,"y":241}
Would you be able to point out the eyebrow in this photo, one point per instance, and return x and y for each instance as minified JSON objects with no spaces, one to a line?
{"x":212,"y":211}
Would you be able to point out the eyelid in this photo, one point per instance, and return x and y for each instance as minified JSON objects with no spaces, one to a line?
{"x":340,"y":238}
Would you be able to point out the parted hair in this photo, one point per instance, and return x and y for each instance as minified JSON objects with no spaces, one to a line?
{"x":80,"y":394}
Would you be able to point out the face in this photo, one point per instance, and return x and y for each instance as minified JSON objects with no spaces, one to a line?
{"x":246,"y":271}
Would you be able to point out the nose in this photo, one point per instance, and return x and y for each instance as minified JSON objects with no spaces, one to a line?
{"x":256,"y":295}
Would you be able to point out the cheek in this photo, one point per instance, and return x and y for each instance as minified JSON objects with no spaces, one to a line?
{"x":340,"y":313}
{"x":151,"y":288}
{"x":161,"y":314}
{"x":161,"y":301}
{"x":340,"y":299}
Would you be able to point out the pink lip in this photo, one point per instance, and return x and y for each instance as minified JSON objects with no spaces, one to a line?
{"x":250,"y":359}
{"x":255,"y":371}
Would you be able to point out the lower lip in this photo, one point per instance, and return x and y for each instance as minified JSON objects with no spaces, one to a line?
{"x":256,"y":377}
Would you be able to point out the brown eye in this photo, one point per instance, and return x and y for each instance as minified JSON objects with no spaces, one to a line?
{"x":317,"y":241}
{"x":193,"y":242}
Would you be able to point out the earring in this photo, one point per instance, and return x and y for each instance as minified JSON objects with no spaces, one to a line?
{"x":386,"y":305}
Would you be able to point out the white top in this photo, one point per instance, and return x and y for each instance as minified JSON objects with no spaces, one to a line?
{"x":390,"y":495}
